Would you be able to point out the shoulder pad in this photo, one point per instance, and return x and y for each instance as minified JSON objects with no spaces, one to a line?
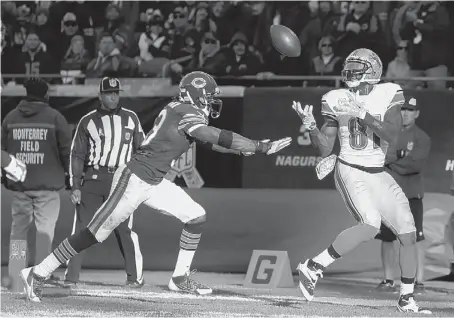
{"x":394,"y":90}
{"x":330,"y":100}
{"x":389,"y":87}
{"x":183,"y":109}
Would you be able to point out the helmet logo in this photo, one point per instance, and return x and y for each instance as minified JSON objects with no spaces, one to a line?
{"x":113,"y":82}
{"x":198,"y":82}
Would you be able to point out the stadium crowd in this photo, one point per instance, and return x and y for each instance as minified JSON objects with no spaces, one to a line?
{"x":78,"y":39}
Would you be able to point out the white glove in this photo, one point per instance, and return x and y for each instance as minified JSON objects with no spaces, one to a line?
{"x":306,"y":115}
{"x":278,"y":145}
{"x":353,"y":108}
{"x":252,"y":153}
{"x":16,"y":170}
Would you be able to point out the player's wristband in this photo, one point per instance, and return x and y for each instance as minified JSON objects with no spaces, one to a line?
{"x":261,"y":147}
{"x":314,"y":131}
{"x":312,"y":126}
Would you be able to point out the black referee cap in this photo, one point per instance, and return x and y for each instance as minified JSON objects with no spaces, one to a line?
{"x":36,"y":87}
{"x":109,"y":84}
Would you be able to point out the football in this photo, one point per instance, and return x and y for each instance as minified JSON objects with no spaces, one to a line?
{"x":285,"y":41}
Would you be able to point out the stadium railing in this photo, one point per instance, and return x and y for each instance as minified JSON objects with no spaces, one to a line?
{"x":283,"y":78}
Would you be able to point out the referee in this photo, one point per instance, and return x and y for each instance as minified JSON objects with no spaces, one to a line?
{"x":105,"y":139}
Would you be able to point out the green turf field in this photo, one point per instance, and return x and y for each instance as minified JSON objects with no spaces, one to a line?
{"x":102,"y":295}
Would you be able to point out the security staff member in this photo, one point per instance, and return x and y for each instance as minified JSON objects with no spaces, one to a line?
{"x":105,"y":139}
{"x":404,"y":161}
{"x":40,"y":137}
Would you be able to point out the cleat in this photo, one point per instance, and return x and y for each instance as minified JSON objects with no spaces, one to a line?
{"x":407,"y":304}
{"x":69,"y":284}
{"x":33,"y":284}
{"x":52,"y":280}
{"x":308,"y":279}
{"x":186,"y":284}
{"x":135,"y":284}
{"x":387,"y":286}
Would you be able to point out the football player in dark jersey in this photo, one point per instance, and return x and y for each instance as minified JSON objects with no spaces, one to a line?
{"x":142,"y":180}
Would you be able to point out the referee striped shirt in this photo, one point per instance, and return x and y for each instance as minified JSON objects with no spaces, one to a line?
{"x":104,"y":139}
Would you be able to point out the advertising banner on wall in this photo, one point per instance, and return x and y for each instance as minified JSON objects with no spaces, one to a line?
{"x":268,"y":114}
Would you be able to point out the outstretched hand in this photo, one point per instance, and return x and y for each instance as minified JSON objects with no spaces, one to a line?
{"x":252,"y":153}
{"x":278,"y":145}
{"x":306,"y":115}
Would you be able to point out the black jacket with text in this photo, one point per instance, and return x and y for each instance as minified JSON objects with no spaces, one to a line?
{"x":40,"y":136}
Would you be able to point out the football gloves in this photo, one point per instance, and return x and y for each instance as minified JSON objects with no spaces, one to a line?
{"x":352,"y":108}
{"x":16,"y":170}
{"x":252,"y":153}
{"x":306,"y":115}
{"x":277,"y":145}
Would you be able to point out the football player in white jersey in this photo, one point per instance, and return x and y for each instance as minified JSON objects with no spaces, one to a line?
{"x":366,"y":117}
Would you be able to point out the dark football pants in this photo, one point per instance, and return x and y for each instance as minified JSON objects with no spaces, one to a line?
{"x":95,"y":191}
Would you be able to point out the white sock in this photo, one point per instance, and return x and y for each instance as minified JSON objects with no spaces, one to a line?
{"x":47,"y":266}
{"x":183,"y":262}
{"x":324,"y":258}
{"x":406,"y":289}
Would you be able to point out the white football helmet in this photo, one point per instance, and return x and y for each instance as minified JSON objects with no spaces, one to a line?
{"x":362,"y":66}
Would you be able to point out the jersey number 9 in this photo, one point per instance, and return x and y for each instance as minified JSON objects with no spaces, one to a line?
{"x":358,"y":134}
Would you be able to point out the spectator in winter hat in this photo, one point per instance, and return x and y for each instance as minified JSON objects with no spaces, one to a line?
{"x":234,"y":60}
{"x":209,"y":47}
{"x":115,"y":24}
{"x":43,"y":27}
{"x":75,"y":61}
{"x":154,"y":42}
{"x":69,"y":28}
{"x":201,"y":20}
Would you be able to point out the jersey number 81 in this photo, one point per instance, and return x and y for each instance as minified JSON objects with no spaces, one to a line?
{"x":358,"y":134}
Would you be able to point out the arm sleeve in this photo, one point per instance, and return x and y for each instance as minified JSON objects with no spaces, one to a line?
{"x":225,"y":150}
{"x":64,"y":140}
{"x":79,"y":150}
{"x":415,"y":160}
{"x":217,"y":148}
